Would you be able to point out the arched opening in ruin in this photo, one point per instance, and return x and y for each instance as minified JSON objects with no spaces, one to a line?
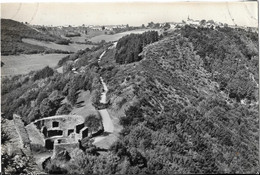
{"x":70,"y":131}
{"x":49,"y":144}
{"x":79,"y":127}
{"x":52,"y":133}
{"x":85,"y":133}
{"x":44,"y":131}
{"x":55,"y":124}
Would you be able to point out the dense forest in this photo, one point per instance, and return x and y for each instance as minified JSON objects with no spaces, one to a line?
{"x":129,"y":47}
{"x":189,"y":98}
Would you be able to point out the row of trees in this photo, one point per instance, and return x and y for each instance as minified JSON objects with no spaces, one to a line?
{"x":129,"y":47}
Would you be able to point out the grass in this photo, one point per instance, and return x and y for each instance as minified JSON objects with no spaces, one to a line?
{"x":72,"y":47}
{"x":84,"y":105}
{"x":115,"y":37}
{"x":23,"y":64}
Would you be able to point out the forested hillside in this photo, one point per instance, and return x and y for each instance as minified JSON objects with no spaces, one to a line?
{"x":195,"y":108}
{"x":46,"y":92}
{"x":12,"y":33}
{"x":189,"y":101}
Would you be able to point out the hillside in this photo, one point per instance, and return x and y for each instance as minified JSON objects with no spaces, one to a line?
{"x":189,"y":114}
{"x":12,"y":33}
{"x":188,"y":104}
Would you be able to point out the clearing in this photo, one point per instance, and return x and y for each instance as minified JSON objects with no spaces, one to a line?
{"x":72,"y":47}
{"x":84,"y":105}
{"x":23,"y":64}
{"x":117,"y":36}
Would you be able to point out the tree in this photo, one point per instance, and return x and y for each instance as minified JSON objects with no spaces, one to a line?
{"x":167,"y":26}
{"x":44,"y":73}
{"x":42,"y":95}
{"x":103,"y":27}
{"x":203,"y":22}
{"x":72,"y":96}
{"x":129,"y":47}
{"x":92,"y":122}
{"x":134,"y":115}
{"x":150,"y":24}
{"x":156,"y":25}
{"x":48,"y":107}
{"x":4,"y":136}
{"x":64,"y":109}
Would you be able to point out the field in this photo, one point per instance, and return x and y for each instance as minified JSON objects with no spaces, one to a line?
{"x":22,"y":64}
{"x":91,"y":34}
{"x":72,"y":47}
{"x":117,"y":36}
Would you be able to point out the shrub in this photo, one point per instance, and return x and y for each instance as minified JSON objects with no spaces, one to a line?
{"x":38,"y":148}
{"x":92,"y":122}
{"x":62,"y":42}
{"x":44,"y":73}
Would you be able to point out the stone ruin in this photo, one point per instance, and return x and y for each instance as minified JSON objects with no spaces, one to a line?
{"x":62,"y":131}
{"x":59,"y":134}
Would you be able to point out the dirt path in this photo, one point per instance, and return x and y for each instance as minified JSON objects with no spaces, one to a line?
{"x":106,"y":141}
{"x":106,"y":120}
{"x":103,"y":94}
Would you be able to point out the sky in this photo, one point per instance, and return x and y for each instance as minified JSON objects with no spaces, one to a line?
{"x":132,"y":13}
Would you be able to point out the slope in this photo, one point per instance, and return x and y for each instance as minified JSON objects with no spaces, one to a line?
{"x":181,"y":119}
{"x":12,"y":33}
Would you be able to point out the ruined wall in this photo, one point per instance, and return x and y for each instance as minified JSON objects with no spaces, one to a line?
{"x":65,"y":123}
{"x":21,"y":131}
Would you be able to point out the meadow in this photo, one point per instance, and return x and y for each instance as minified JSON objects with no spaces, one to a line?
{"x":23,"y":64}
{"x":117,"y":36}
{"x":72,"y":47}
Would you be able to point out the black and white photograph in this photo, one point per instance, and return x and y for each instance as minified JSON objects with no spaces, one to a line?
{"x":130,"y":87}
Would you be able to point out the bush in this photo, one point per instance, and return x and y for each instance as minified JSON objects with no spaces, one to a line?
{"x":62,"y":42}
{"x":64,"y":109}
{"x":44,"y":73}
{"x":92,"y":122}
{"x":37,"y":148}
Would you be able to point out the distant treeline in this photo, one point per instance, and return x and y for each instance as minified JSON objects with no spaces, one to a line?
{"x":129,"y":47}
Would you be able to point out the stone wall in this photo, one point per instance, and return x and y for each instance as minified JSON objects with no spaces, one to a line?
{"x":64,"y":122}
{"x":63,"y":126}
{"x":21,"y":131}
